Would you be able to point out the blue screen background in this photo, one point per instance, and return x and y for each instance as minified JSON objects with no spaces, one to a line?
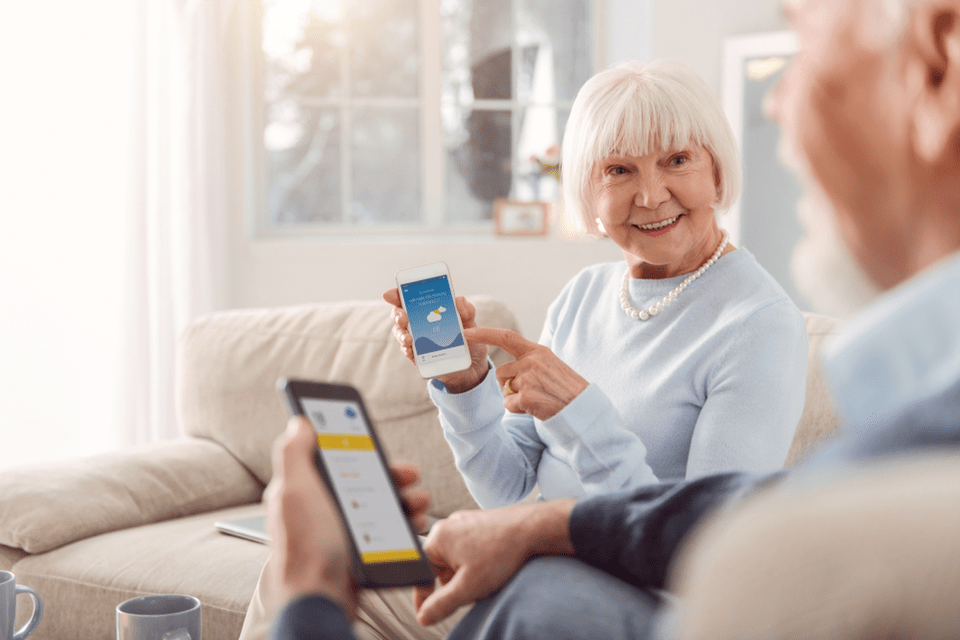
{"x":432,"y":314}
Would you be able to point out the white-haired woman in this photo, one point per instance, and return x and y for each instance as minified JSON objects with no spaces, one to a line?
{"x":684,"y":359}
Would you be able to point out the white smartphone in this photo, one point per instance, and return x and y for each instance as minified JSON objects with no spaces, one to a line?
{"x":426,"y":294}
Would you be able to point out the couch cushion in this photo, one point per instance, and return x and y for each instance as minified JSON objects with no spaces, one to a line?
{"x":229,"y":363}
{"x":82,"y":583}
{"x":8,"y":556}
{"x":45,"y":506}
{"x":819,"y":419}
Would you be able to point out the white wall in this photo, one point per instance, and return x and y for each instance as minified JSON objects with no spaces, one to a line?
{"x":694,"y":30}
{"x":526,"y":274}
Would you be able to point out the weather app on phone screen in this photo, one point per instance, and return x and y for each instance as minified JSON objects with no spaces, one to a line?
{"x":433,"y":319}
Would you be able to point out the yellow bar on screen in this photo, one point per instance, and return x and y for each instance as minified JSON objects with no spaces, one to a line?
{"x":389,"y":556}
{"x":344,"y":442}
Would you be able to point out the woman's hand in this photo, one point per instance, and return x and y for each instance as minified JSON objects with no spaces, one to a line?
{"x":455,"y":382}
{"x":537,"y":382}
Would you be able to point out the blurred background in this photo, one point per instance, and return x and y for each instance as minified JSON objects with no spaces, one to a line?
{"x":161,"y":159}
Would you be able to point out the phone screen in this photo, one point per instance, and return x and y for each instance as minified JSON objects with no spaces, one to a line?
{"x":433,"y":320}
{"x":374,"y":517}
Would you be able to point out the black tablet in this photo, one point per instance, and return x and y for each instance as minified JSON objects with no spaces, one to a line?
{"x":386,"y":548}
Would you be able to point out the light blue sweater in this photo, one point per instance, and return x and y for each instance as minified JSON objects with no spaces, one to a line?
{"x":715,"y":383}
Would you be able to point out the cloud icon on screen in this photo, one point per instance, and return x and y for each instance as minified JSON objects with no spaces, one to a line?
{"x":434,"y":316}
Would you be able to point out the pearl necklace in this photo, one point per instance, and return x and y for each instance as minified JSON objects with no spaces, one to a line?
{"x":649,"y":312}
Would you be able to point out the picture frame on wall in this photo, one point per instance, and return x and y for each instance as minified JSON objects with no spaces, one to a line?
{"x":521,"y":218}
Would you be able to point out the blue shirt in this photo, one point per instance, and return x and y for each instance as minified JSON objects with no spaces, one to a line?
{"x":895,"y":369}
{"x":714,"y":383}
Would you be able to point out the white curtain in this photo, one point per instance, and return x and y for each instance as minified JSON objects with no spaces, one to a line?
{"x":178,"y":229}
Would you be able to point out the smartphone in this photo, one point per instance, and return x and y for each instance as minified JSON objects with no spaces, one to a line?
{"x":386,"y":549}
{"x":427,"y":296}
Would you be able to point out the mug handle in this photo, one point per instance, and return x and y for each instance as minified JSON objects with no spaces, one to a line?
{"x":28,"y":628}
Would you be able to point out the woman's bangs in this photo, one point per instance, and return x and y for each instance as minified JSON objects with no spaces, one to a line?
{"x":649,"y":124}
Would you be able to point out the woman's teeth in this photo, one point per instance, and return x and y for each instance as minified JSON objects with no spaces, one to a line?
{"x":659,"y":225}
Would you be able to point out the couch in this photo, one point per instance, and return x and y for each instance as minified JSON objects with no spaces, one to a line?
{"x":89,"y":533}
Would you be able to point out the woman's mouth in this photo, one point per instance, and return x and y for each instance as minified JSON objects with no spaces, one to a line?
{"x":659,"y":228}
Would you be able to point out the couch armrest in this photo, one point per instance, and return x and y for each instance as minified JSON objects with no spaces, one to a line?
{"x":867,"y":552}
{"x":48,"y":506}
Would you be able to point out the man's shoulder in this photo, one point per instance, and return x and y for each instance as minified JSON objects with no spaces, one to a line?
{"x":901,"y":351}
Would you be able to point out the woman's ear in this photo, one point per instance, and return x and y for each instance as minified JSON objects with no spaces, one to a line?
{"x":716,"y":179}
{"x":935,"y":65}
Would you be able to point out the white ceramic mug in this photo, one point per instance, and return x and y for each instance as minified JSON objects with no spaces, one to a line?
{"x":159,"y":617}
{"x":9,"y":589}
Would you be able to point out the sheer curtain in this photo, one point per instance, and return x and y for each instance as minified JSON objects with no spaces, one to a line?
{"x":178,"y":231}
{"x":112,"y":222}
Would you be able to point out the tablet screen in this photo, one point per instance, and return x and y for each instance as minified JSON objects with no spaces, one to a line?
{"x":374,"y":516}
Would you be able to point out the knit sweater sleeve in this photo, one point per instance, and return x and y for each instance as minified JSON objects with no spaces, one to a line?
{"x":496,"y":452}
{"x":605,"y":455}
{"x":755,"y":396}
{"x":312,"y":617}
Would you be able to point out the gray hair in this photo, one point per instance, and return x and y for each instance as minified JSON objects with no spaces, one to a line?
{"x":637,"y":109}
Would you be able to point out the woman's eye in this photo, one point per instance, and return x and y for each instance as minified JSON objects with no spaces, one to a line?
{"x":617,"y":171}
{"x":678,"y":160}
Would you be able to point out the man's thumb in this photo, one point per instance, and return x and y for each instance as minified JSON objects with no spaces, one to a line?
{"x":443,"y":601}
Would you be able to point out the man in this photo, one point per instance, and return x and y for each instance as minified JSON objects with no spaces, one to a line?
{"x":871,"y":105}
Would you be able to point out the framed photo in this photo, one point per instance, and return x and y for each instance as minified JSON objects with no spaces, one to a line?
{"x":517,"y":218}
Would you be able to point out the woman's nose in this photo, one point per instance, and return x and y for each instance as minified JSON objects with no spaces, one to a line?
{"x":651,"y":193}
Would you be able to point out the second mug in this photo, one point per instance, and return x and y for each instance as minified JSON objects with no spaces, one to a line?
{"x":159,"y":617}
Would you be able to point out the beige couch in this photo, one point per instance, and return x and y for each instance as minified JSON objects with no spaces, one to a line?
{"x":90,"y":533}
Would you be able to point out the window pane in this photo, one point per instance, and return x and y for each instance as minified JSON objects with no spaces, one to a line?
{"x":384,"y":58}
{"x":299,"y":47}
{"x":561,"y":31}
{"x":478,"y":144}
{"x":386,"y":166}
{"x":343,"y":89}
{"x":303,"y":163}
{"x":541,"y":130}
{"x":477,"y":39}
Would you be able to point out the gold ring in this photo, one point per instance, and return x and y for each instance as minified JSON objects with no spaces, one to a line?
{"x":506,"y":385}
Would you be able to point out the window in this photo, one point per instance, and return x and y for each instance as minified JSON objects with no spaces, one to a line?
{"x":409,"y":115}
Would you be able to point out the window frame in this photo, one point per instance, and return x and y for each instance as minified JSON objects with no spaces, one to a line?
{"x":431,"y":224}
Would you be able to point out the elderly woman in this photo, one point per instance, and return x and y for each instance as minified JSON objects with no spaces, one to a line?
{"x":684,"y":359}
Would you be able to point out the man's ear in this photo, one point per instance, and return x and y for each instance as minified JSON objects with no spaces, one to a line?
{"x":935,"y":29}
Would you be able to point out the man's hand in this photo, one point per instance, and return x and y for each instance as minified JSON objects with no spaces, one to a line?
{"x":307,"y":538}
{"x":476,"y":552}
{"x":536,"y":382}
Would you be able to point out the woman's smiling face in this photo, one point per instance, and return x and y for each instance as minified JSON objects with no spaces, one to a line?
{"x":659,"y":209}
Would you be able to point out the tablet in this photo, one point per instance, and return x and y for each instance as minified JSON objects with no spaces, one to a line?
{"x":254,"y":528}
{"x":386,"y":548}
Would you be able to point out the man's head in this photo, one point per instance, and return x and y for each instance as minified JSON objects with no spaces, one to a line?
{"x":871,"y":104}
